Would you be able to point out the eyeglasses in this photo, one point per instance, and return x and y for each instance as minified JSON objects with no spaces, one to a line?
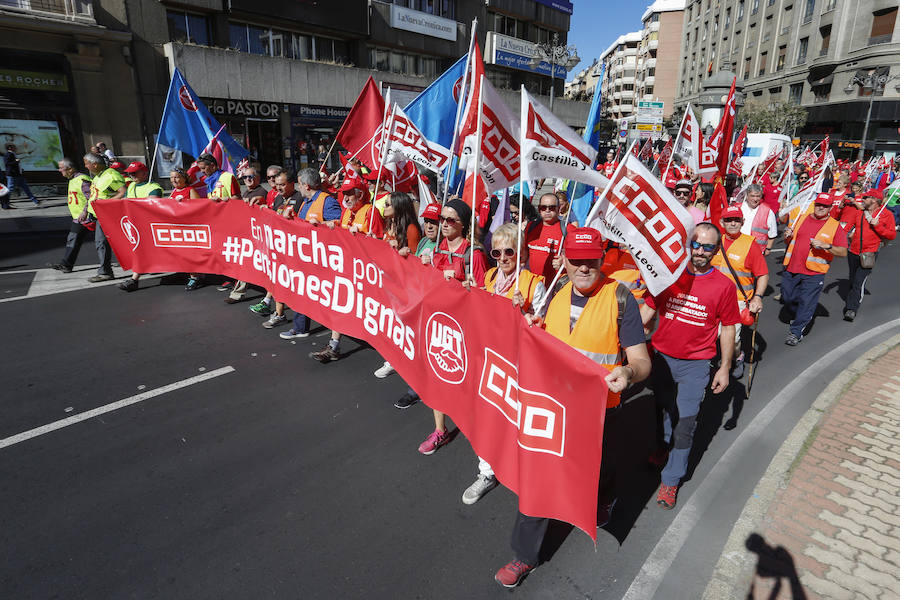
{"x":732,"y":220}
{"x":450,"y":220}
{"x":496,"y":253}
{"x":818,"y":205}
{"x":803,"y":178}
{"x":271,"y":176}
{"x":544,"y":207}
{"x":695,"y":245}
{"x":246,"y":177}
{"x":682,"y":192}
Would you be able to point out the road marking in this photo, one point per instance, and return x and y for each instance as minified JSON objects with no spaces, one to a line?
{"x":47,"y":282}
{"x":38,"y":431}
{"x":688,"y":518}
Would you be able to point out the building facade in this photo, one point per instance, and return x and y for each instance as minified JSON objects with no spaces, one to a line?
{"x":813,"y":53}
{"x":658,"y":52}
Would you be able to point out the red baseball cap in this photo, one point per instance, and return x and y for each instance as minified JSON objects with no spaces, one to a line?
{"x":352,"y":183}
{"x":873,"y":193}
{"x":135,"y":167}
{"x":432,"y":212}
{"x":583,"y":243}
{"x":116,"y":165}
{"x":732,"y":212}
{"x":823,"y":198}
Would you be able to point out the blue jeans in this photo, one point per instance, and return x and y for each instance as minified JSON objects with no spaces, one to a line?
{"x":896,"y":210}
{"x":679,"y":386}
{"x":301,"y":323}
{"x":18,"y":181}
{"x":800,"y":293}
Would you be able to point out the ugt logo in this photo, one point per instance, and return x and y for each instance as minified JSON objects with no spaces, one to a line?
{"x":446,"y":348}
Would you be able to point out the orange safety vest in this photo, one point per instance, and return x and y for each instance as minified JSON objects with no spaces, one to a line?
{"x":317,"y":208}
{"x":596,"y":333}
{"x":631,"y":279}
{"x":738,"y":252}
{"x":527,"y":285}
{"x":818,"y":260}
{"x":360,"y":218}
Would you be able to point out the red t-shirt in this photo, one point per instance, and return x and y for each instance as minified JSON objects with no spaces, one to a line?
{"x":270,"y":197}
{"x":181,"y":194}
{"x":443,"y":261}
{"x":690,"y":311}
{"x":755,"y":261}
{"x":808,"y":230}
{"x":544,"y":242}
{"x":771,"y":194}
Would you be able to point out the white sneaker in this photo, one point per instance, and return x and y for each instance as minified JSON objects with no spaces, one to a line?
{"x":384,"y":370}
{"x":482,"y":486}
{"x":274,"y":320}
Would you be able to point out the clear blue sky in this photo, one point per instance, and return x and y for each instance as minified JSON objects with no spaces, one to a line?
{"x":595,"y":24}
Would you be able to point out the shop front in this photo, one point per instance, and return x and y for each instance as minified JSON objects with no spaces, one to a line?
{"x":255,"y":125}
{"x":313,"y":128}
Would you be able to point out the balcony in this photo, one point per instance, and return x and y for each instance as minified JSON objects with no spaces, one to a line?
{"x":626,"y":109}
{"x":652,"y":27}
{"x":880,"y":39}
{"x":650,"y":63}
{"x":649,"y":80}
{"x":654,"y":44}
{"x":76,"y":11}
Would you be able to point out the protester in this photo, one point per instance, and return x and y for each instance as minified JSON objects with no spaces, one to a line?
{"x":83,"y":223}
{"x":105,"y":183}
{"x":529,"y":212}
{"x":600,"y":319}
{"x":813,"y":241}
{"x":254,"y":195}
{"x":544,"y":238}
{"x":869,"y":226}
{"x":772,"y":190}
{"x":682,"y":193}
{"x":609,"y":167}
{"x":741,"y":261}
{"x":181,"y":185}
{"x":703,"y":194}
{"x":759,"y":220}
{"x":14,"y":177}
{"x":691,"y":311}
{"x":801,"y":179}
{"x":220,"y":185}
{"x":140,"y":187}
{"x":272,"y":171}
{"x":840,"y":193}
{"x":105,"y":152}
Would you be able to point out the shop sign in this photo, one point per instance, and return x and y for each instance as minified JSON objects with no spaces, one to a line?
{"x":518,"y":54}
{"x":420,"y":22}
{"x":243,"y":108}
{"x":318,"y":114}
{"x":31,"y":80}
{"x":563,"y":5}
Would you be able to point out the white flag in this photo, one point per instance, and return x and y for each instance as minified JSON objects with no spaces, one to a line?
{"x":404,"y":137}
{"x":638,"y":211}
{"x":807,"y":193}
{"x":687,"y":144}
{"x":499,"y":156}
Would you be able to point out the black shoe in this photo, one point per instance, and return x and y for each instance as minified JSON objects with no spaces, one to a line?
{"x":849,"y":315}
{"x":129,"y":285}
{"x":60,"y":267}
{"x":792,"y":340}
{"x":405,"y":401}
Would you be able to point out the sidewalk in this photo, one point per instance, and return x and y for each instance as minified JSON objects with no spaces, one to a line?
{"x":824,"y":521}
{"x":51,"y":215}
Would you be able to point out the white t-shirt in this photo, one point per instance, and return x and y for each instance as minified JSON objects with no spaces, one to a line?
{"x":750,"y":214}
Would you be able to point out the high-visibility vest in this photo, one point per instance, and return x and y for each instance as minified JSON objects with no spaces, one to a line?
{"x":317,"y":208}
{"x":759,"y":229}
{"x":527,"y":285}
{"x":142,"y":190}
{"x":76,"y":198}
{"x":738,"y":252}
{"x":631,"y":279}
{"x":223,"y":187}
{"x":817,"y":261}
{"x":596,"y":333}
{"x":360,"y":218}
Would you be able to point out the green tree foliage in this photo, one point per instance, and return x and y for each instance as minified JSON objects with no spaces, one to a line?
{"x":777,"y":117}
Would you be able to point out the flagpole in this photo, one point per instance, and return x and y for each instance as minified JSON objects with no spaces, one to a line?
{"x":462,"y":95}
{"x":521,"y":193}
{"x":675,"y":145}
{"x":328,"y":155}
{"x":381,"y":155}
{"x":477,"y":173}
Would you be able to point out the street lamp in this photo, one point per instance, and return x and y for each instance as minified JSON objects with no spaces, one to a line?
{"x":876,"y":84}
{"x":557,"y":55}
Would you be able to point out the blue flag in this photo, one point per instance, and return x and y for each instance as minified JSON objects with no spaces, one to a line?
{"x":187,"y":124}
{"x":433,"y":111}
{"x":583,"y":196}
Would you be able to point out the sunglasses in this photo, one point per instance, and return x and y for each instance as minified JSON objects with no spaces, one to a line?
{"x":431,"y":222}
{"x":695,"y":245}
{"x":682,"y":193}
{"x":496,"y":253}
{"x":246,"y":177}
{"x":544,"y":207}
{"x":732,"y":220}
{"x":450,"y":220}
{"x":271,"y":176}
{"x":803,"y":178}
{"x":818,"y":205}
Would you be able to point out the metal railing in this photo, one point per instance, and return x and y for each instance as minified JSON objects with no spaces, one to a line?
{"x":69,"y":10}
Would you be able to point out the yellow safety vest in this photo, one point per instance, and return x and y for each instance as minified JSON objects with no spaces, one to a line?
{"x":818,"y":261}
{"x":737,"y":255}
{"x":142,"y":190}
{"x":527,"y":285}
{"x":223,"y":186}
{"x":76,"y":198}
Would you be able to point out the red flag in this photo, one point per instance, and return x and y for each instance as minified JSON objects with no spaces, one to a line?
{"x":636,"y":151}
{"x":646,"y":151}
{"x":364,"y":119}
{"x":721,"y":137}
{"x":470,"y":116}
{"x":717,"y":204}
{"x":737,"y":151}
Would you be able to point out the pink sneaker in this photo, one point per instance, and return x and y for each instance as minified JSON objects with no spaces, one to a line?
{"x":435,"y":440}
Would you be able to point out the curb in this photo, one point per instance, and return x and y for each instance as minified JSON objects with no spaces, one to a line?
{"x":736,"y":565}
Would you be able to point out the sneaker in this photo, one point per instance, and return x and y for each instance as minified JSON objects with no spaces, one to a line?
{"x":384,"y":370}
{"x":667,"y":496}
{"x":849,"y":315}
{"x":99,"y":278}
{"x":274,"y":321}
{"x":60,"y":267}
{"x":435,"y":440}
{"x":326,"y":355}
{"x":405,"y":401}
{"x":512,"y":574}
{"x":262,"y":309}
{"x":482,"y":486}
{"x":230,"y":300}
{"x":129,"y":285}
{"x":777,"y":297}
{"x":193,"y":284}
{"x":792,"y":340}
{"x":604,"y":513}
{"x":293,"y":334}
{"x":226,"y":286}
{"x":659,"y":458}
{"x":737,"y":371}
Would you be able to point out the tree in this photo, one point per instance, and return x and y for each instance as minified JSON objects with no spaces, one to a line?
{"x":674,"y":122}
{"x":779,"y":117}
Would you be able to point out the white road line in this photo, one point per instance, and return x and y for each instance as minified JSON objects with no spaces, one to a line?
{"x":38,"y":431}
{"x":47,"y":282}
{"x":688,"y":518}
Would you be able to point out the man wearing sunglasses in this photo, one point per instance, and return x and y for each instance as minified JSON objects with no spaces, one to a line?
{"x":695,"y":310}
{"x":255,"y":193}
{"x":544,"y":238}
{"x":813,"y":242}
{"x":272,"y":171}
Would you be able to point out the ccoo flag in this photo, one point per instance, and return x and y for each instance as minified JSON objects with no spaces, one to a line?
{"x":189,"y":126}
{"x":434,"y":110}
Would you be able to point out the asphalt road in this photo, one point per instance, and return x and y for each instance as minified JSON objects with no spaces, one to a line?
{"x":285,"y":478}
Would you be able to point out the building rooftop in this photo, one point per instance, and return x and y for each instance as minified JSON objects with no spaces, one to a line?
{"x":634,"y":36}
{"x":663,"y":6}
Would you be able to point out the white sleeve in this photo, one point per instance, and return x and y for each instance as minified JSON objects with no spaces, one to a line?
{"x":772,"y":223}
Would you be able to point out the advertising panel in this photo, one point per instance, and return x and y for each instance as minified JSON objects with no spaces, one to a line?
{"x":38,"y":146}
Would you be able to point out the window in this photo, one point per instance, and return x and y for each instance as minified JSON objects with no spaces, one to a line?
{"x":441,"y":8}
{"x":185,"y":27}
{"x":763,"y":57}
{"x":285,"y":44}
{"x":782,"y":53}
{"x":754,"y":8}
{"x":508,"y":26}
{"x":883,"y":26}
{"x":541,"y":35}
{"x":825,"y":32}
{"x":795,"y":92}
{"x":395,"y":62}
{"x":830,"y":5}
{"x":740,"y":13}
{"x":801,"y":50}
{"x":747,"y":68}
{"x":727,"y":17}
{"x":821,"y":93}
{"x":808,"y":10}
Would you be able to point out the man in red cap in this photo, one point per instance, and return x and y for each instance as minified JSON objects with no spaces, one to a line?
{"x":599,"y":318}
{"x":699,"y":307}
{"x":741,"y":261}
{"x":813,"y":241}
{"x":868,"y":226}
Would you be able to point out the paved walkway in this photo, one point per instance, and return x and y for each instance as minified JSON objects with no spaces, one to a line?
{"x":824,"y":521}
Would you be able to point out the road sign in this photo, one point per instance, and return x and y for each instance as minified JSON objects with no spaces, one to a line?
{"x":623,"y":133}
{"x":647,"y":118}
{"x":649,"y":127}
{"x":650,"y":105}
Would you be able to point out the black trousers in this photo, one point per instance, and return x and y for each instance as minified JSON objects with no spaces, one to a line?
{"x":858,"y":276}
{"x":528,"y":532}
{"x":77,"y":234}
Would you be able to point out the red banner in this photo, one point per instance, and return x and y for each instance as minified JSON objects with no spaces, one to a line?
{"x":530,"y":405}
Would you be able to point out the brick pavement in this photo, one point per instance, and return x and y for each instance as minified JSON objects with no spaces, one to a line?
{"x":832,"y":527}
